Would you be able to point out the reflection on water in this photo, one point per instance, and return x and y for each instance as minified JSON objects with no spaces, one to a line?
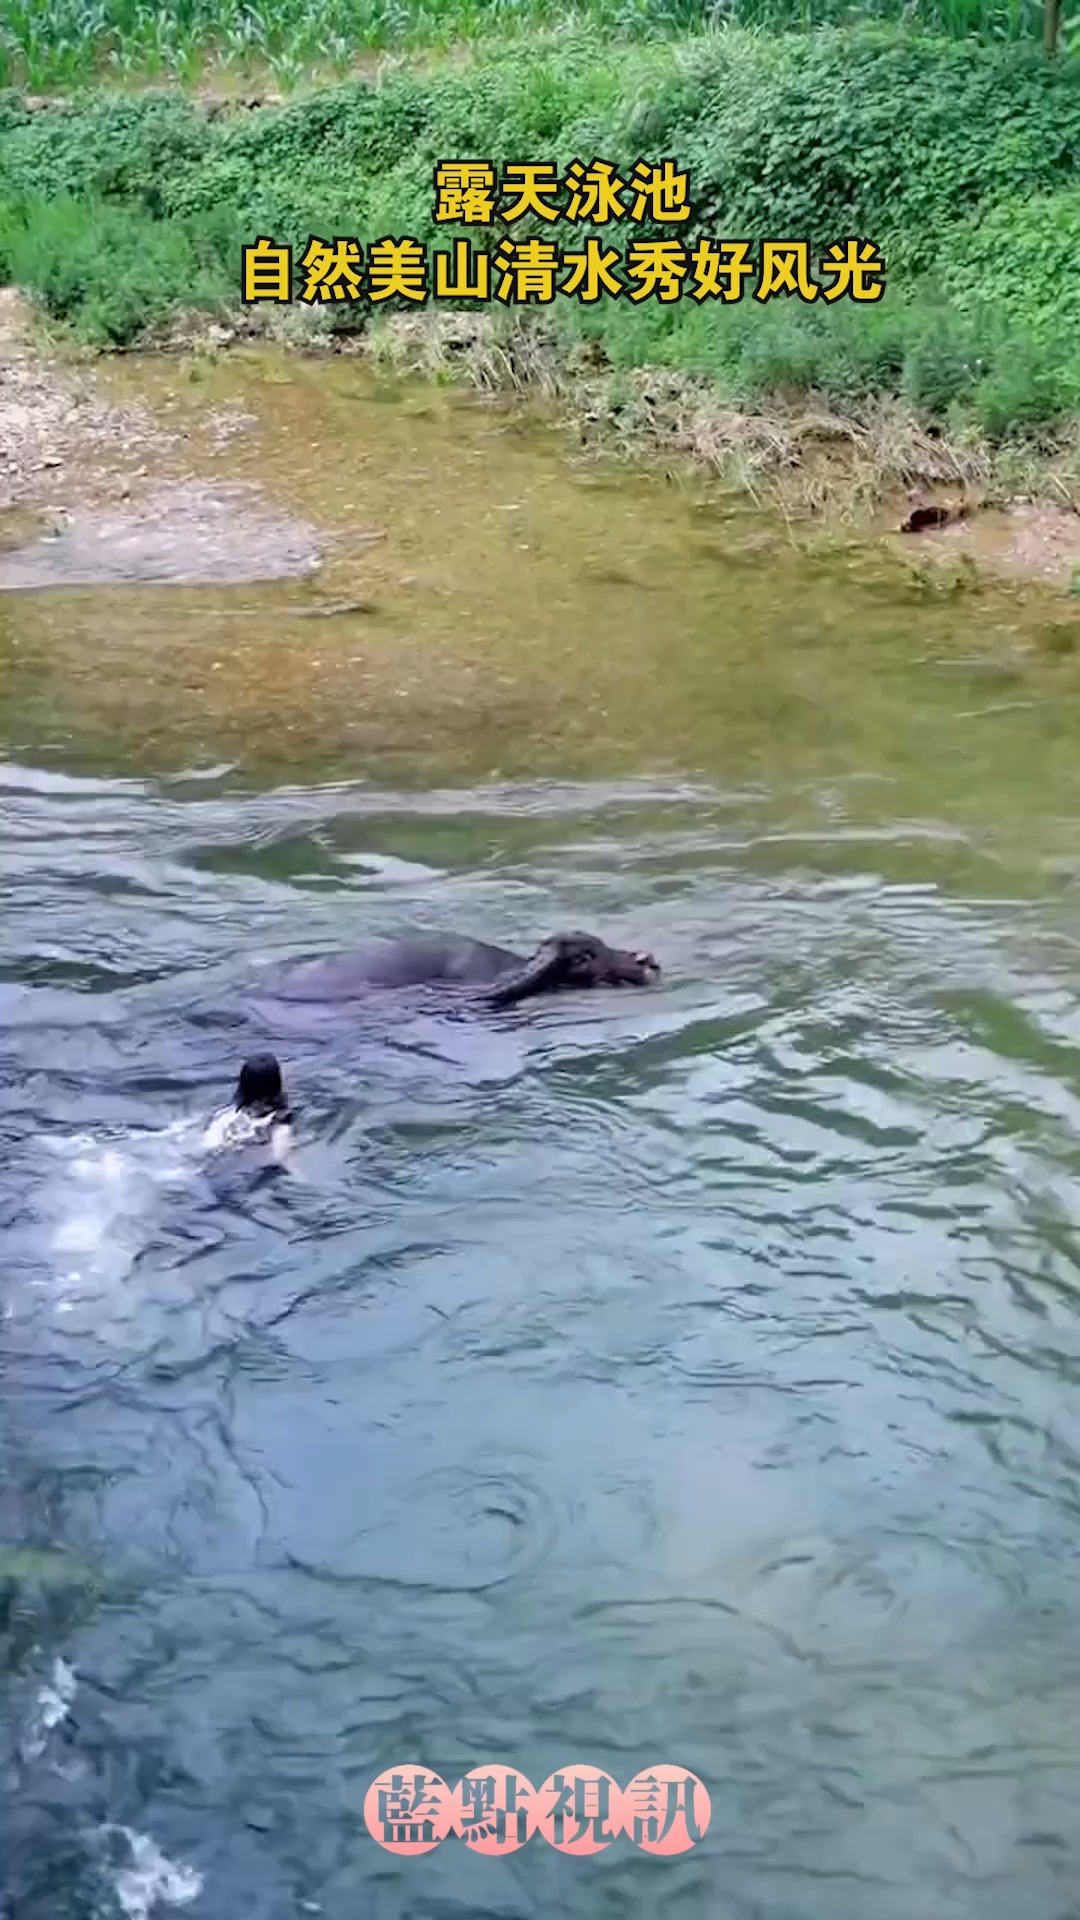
{"x":515,"y":614}
{"x":675,"y":1375}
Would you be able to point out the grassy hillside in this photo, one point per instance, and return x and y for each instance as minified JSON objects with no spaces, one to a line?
{"x":959,"y":160}
{"x":50,"y":43}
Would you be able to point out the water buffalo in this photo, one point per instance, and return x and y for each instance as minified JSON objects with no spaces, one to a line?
{"x":566,"y":960}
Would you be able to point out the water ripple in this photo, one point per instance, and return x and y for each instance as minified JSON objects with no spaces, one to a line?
{"x":682,"y":1375}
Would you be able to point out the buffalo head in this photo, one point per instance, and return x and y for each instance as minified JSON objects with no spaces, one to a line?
{"x":574,"y":960}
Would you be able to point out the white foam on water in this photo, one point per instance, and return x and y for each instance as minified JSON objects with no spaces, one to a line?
{"x":151,"y":1878}
{"x":148,"y":1878}
{"x":105,"y":1198}
{"x":100,"y":1204}
{"x":51,"y":1708}
{"x":232,"y":1128}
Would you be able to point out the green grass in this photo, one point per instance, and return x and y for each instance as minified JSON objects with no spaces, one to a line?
{"x":63,"y":43}
{"x":960,"y":161}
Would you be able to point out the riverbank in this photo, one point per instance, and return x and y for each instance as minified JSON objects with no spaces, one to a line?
{"x":123,"y":217}
{"x":120,"y":484}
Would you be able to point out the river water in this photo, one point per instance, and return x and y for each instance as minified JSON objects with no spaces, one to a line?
{"x":683,"y":1375}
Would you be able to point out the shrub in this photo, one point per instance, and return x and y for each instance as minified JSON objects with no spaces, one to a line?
{"x":1022,"y":258}
{"x":113,"y":271}
{"x":961,"y":161}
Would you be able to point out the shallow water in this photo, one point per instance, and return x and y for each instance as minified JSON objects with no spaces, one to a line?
{"x":683,"y":1375}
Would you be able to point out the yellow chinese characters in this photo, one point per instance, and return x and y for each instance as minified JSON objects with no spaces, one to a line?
{"x":659,"y":267}
{"x":467,"y":278}
{"x":529,"y":270}
{"x":785,"y":268}
{"x":331,"y":272}
{"x":592,"y":272}
{"x":850,"y":264}
{"x":533,"y":184}
{"x":661,"y":192}
{"x":397,"y":267}
{"x":595,"y":193}
{"x":265,"y":272}
{"x":465,"y":192}
{"x":717,"y":276}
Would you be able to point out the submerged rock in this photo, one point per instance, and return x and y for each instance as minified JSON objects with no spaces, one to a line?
{"x":189,"y":535}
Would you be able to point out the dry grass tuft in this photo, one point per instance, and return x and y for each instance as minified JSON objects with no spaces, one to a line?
{"x":807,"y":457}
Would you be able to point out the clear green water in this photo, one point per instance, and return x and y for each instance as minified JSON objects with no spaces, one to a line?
{"x":676,"y":1376}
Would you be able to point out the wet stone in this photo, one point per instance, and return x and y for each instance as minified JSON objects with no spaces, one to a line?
{"x":189,"y":535}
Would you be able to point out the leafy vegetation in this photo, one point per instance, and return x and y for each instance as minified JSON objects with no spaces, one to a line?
{"x":61,"y":43}
{"x":960,"y":161}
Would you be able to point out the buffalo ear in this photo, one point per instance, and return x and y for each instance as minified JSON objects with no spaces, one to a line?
{"x":541,"y":971}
